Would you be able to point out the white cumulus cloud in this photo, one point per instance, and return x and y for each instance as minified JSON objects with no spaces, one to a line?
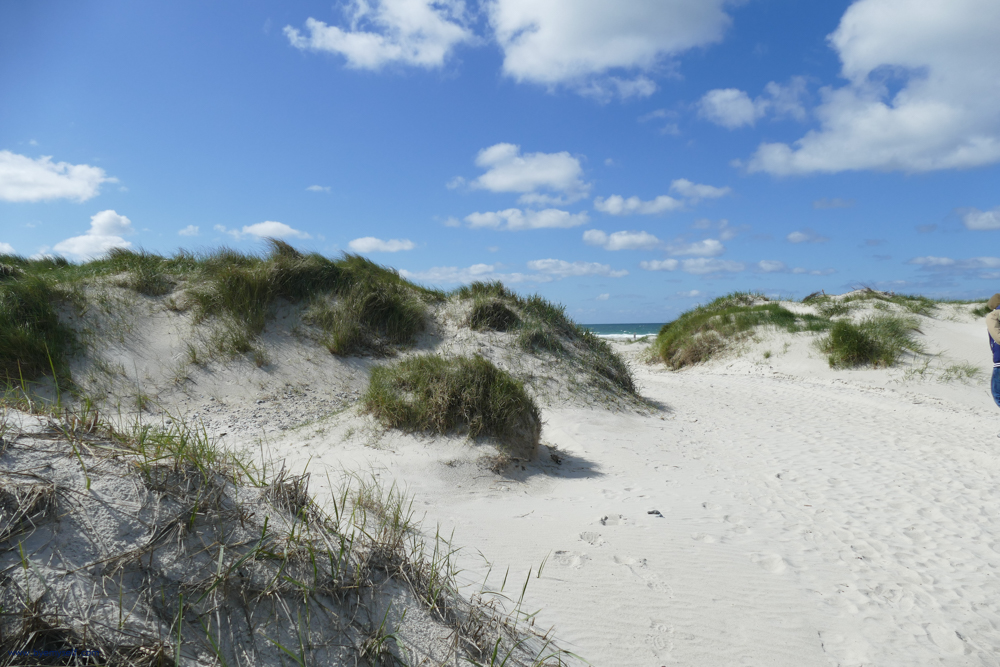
{"x":580,"y":42}
{"x":6,"y":249}
{"x":618,"y":205}
{"x":318,"y":188}
{"x":603,"y":297}
{"x":420,"y":33}
{"x":23,"y":179}
{"x":507,"y":170}
{"x":621,"y":240}
{"x":190,"y":230}
{"x":515,"y":219}
{"x":698,"y":266}
{"x":772,"y":266}
{"x":697,"y":191}
{"x":660,"y":265}
{"x":806,"y":236}
{"x":563,"y":269}
{"x":704,"y":248}
{"x":372,"y":244}
{"x":106,"y":231}
{"x":923,"y":92}
{"x":733,"y":108}
{"x":973,"y":218}
{"x":266,"y":229}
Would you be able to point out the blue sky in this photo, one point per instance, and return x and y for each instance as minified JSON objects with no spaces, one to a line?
{"x":627,"y":158}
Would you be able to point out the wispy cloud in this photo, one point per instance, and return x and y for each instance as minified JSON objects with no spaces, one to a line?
{"x":564,"y":269}
{"x":806,"y":236}
{"x":621,"y":240}
{"x":318,"y":188}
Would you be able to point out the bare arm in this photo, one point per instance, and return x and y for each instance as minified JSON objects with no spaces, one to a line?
{"x":993,"y":325}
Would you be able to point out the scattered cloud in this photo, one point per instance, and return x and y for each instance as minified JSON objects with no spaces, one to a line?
{"x":775,"y":266}
{"x":947,"y":265}
{"x":705,"y":265}
{"x":690,"y":294}
{"x":978,"y":220}
{"x":507,"y":170}
{"x":563,"y":269}
{"x":726,"y":232}
{"x":190,"y":230}
{"x":926,"y":229}
{"x":732,"y":108}
{"x":618,"y":205}
{"x":447,"y":275}
{"x":660,"y":265}
{"x":704,"y":248}
{"x":621,"y":240}
{"x":834,"y":202}
{"x":419,"y":33}
{"x":318,"y":188}
{"x":806,"y":236}
{"x":696,"y":192}
{"x":920,"y":96}
{"x":23,"y":179}
{"x":603,"y":297}
{"x":106,"y":231}
{"x":6,"y":249}
{"x":698,"y":266}
{"x":515,"y":219}
{"x":266,"y":229}
{"x":372,"y":244}
{"x":580,"y":43}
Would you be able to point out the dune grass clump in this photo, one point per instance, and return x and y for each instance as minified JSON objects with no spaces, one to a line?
{"x":370,"y":316}
{"x":359,"y":305}
{"x":542,"y":327}
{"x":877,"y":340}
{"x":437,"y":394}
{"x":829,"y":306}
{"x":492,"y":314}
{"x":700,"y":333}
{"x":33,"y":341}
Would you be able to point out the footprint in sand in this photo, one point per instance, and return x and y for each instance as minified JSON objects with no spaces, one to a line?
{"x":613,"y":520}
{"x":703,"y":537}
{"x":946,"y":640}
{"x":570,"y":559}
{"x":593,"y":539}
{"x":661,"y":638}
{"x":640,"y":568}
{"x":772,"y":563}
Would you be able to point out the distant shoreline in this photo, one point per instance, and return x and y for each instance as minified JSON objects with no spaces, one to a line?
{"x":625,"y":330}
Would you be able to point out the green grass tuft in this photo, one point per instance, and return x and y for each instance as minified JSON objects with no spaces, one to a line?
{"x":432,"y":393}
{"x":371,"y":316}
{"x":981,"y":311}
{"x":32,"y":339}
{"x":877,"y":340}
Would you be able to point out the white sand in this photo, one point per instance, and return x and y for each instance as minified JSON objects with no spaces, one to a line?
{"x":807,"y":516}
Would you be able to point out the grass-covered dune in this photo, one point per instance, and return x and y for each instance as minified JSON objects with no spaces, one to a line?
{"x":480,"y":357}
{"x":864,"y":328}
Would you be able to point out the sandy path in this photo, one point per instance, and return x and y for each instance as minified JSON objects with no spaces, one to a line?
{"x":805,"y":521}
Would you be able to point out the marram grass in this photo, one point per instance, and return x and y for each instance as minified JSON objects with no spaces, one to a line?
{"x":435,"y":394}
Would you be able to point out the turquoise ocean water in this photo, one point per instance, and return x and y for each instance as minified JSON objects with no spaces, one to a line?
{"x":624,"y":330}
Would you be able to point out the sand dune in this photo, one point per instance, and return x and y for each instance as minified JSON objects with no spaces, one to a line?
{"x":757,"y":509}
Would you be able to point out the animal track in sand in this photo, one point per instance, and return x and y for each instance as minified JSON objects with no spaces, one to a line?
{"x":613,"y":520}
{"x":571,"y":559}
{"x":591,"y":538}
{"x":640,"y":568}
{"x":772,"y":563}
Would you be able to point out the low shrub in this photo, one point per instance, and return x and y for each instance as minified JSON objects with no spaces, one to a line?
{"x":437,"y":394}
{"x":877,"y":340}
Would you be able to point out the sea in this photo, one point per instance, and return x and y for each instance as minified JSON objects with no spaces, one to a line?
{"x":624,"y":331}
